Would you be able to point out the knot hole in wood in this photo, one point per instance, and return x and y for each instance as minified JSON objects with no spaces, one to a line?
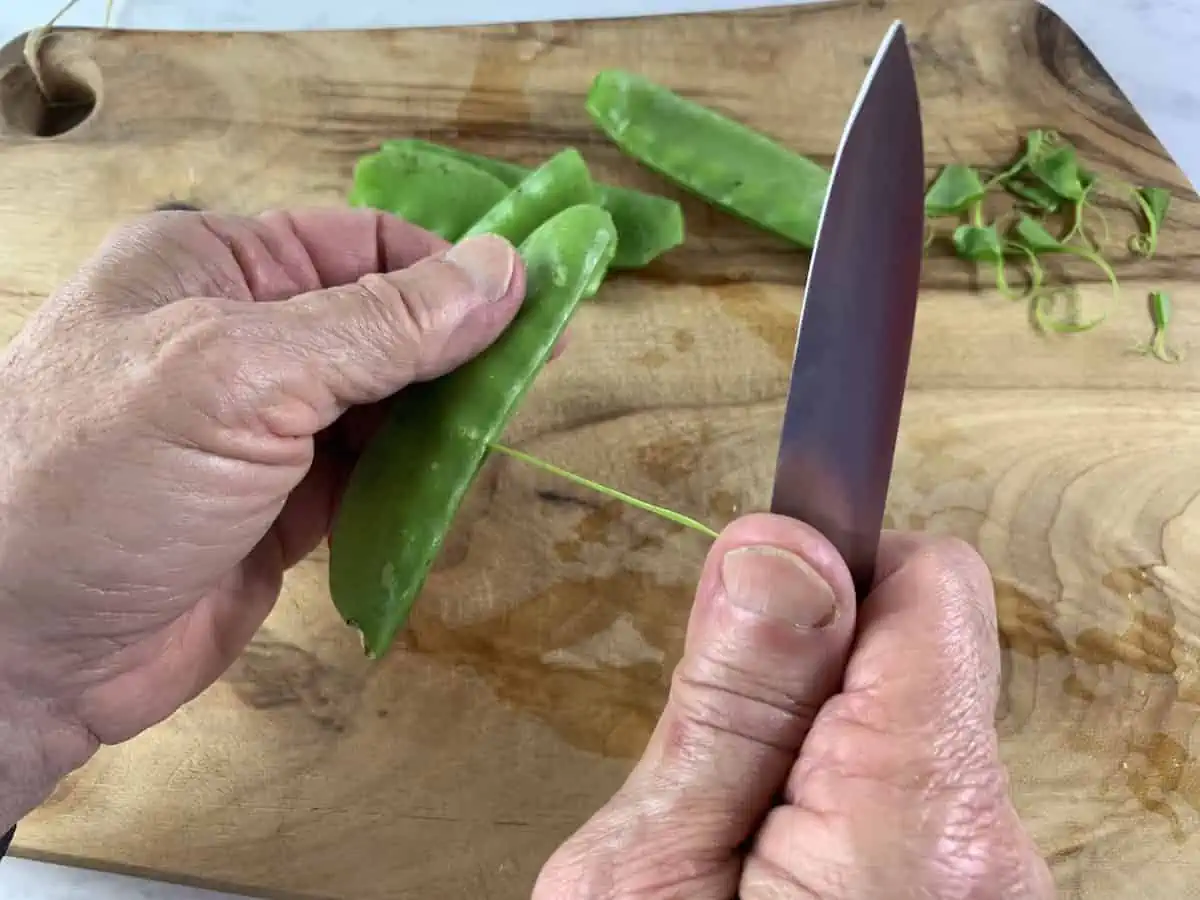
{"x":47,"y":87}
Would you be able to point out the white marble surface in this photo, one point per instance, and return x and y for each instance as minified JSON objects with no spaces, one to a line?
{"x":23,"y":879}
{"x":1148,"y":46}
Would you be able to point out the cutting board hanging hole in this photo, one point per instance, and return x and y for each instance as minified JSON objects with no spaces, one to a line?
{"x":45,"y":96}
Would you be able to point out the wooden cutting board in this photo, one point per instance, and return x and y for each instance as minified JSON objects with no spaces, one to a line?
{"x":539,"y":656}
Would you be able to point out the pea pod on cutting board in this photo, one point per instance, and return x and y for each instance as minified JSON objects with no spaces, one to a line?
{"x":560,"y":182}
{"x":510,"y":173}
{"x":412,"y":477}
{"x":439,"y":193}
{"x":648,"y":225}
{"x":731,"y":166}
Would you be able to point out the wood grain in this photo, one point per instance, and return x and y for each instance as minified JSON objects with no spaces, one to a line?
{"x":538,"y":657}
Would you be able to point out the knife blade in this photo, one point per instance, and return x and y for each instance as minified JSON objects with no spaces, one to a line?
{"x":854,"y":337}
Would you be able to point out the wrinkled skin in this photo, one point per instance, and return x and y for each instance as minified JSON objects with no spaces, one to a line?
{"x":766,"y":779}
{"x":169,"y":446}
{"x":176,"y":426}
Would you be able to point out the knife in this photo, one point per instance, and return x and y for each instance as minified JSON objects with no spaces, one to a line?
{"x":854,"y":337}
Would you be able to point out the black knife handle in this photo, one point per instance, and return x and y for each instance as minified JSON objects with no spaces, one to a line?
{"x":6,"y":841}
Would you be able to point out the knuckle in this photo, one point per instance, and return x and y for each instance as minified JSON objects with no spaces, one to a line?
{"x":147,"y":233}
{"x":411,"y":316}
{"x":948,"y":753}
{"x":710,"y":695}
{"x":952,"y":565}
{"x":425,"y":298}
{"x":194,"y":349}
{"x":219,"y":376}
{"x":861,"y":713}
{"x":392,"y":308}
{"x":953,"y":810}
{"x":190,"y":326}
{"x":980,"y":851}
{"x":959,"y":581}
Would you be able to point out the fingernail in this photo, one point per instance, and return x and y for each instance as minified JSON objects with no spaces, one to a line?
{"x":778,"y":584}
{"x":490,"y":262}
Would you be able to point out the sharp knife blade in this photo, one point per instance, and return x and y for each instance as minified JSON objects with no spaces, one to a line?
{"x":854,"y":337}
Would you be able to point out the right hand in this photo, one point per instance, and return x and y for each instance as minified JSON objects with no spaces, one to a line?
{"x":780,"y":770}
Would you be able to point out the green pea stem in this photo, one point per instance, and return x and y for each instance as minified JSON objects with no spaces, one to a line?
{"x":1048,"y":325}
{"x":1160,"y":315}
{"x":669,"y":515}
{"x":977,"y":213}
{"x":1144,"y":244}
{"x":1036,"y":273}
{"x":1079,"y":207}
{"x":1093,"y":257}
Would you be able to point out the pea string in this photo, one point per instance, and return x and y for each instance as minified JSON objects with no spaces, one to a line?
{"x":660,"y":511}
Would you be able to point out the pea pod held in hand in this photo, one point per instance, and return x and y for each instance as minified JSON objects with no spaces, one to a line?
{"x":413,"y":476}
{"x":438,"y":193}
{"x":648,"y":225}
{"x":734,"y":167}
{"x":560,"y":182}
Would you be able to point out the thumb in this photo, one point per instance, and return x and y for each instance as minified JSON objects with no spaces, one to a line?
{"x":363,"y":342}
{"x":766,"y":646}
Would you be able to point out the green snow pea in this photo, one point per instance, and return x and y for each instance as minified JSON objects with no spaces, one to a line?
{"x":731,"y":166}
{"x":560,"y":182}
{"x":442,"y":195}
{"x":412,"y":477}
{"x":510,"y":173}
{"x":648,"y":225}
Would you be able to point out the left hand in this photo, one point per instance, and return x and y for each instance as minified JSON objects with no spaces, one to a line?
{"x":168,"y":449}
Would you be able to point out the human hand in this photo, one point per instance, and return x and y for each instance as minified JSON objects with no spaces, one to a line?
{"x":174,"y":434}
{"x":780,"y":771}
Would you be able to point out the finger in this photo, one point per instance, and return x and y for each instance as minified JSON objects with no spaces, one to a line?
{"x":909,"y":742}
{"x":766,"y":644}
{"x":560,"y":347}
{"x":766,"y":647}
{"x":925,"y":672}
{"x":928,"y":650}
{"x":353,"y":431}
{"x":172,"y":255}
{"x":283,"y":253}
{"x":308,"y":514}
{"x":361,"y":343}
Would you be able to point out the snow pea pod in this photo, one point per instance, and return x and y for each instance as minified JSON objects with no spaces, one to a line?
{"x":561,"y":181}
{"x":440,"y":194}
{"x":510,"y":173}
{"x":726,"y":163}
{"x":648,"y":225}
{"x":413,"y":475}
